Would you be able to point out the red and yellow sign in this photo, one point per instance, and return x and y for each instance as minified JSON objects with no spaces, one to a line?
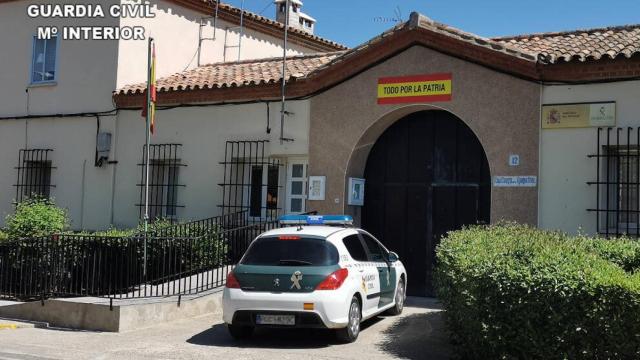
{"x":413,"y":89}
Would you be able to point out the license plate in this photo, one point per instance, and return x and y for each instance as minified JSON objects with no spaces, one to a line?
{"x":275,"y":319}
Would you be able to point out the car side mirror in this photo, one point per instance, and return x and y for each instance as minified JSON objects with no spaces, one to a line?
{"x":393,"y":257}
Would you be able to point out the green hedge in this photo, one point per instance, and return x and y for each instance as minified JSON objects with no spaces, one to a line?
{"x":514,"y":292}
{"x":36,"y":217}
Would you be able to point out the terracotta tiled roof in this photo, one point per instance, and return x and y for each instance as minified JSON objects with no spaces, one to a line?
{"x":583,"y":45}
{"x":238,"y":74}
{"x":265,"y":71}
{"x":519,"y":55}
{"x":420,"y":21}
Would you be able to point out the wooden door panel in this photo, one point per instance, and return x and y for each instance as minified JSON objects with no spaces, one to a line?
{"x":466,"y":206}
{"x":415,"y":249}
{"x":426,"y":175}
{"x":444,"y":151}
{"x":395,"y":216}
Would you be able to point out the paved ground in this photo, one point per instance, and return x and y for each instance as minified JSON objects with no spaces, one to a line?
{"x":418,"y":334}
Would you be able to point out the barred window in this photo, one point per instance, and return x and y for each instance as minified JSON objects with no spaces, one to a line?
{"x":164,"y":174}
{"x":251,"y":180}
{"x":34,"y":174}
{"x":624,"y":170}
{"x":617,"y":184}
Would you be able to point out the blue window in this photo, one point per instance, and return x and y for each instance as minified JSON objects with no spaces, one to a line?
{"x":43,"y":65}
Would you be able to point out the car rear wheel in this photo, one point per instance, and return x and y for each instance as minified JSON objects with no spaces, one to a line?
{"x":351,"y":332}
{"x":399,"y":299}
{"x":240,"y":332}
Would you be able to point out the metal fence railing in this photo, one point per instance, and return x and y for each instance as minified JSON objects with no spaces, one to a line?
{"x":133,"y":267}
{"x":205,"y":226}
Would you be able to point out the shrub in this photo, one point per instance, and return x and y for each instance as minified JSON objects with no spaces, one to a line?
{"x":153,"y":228}
{"x":511,"y":291}
{"x":36,"y":217}
{"x":3,"y":236}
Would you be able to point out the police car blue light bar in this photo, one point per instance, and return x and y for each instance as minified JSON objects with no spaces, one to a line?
{"x":316,"y":220}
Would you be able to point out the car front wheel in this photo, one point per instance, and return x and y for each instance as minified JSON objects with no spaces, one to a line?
{"x":351,"y":332}
{"x":399,"y":299}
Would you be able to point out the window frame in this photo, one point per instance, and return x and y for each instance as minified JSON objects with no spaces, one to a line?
{"x":385,"y":251}
{"x":54,"y":81}
{"x":163,"y":156}
{"x":335,"y":252}
{"x":167,"y":186}
{"x":362,"y":245}
{"x":30,"y":175}
{"x":264,"y":191}
{"x":616,"y":186}
{"x":289,"y":185}
{"x":38,"y":179}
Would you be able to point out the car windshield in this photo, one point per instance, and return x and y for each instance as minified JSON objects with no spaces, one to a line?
{"x":291,"y":251}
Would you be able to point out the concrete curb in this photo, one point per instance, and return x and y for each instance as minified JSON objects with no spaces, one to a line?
{"x":12,"y":324}
{"x":96,"y":314}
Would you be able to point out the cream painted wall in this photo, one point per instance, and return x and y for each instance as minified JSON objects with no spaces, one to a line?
{"x":77,"y":183}
{"x":85,"y":68}
{"x":86,"y":191}
{"x":90,"y":70}
{"x":564,"y":166}
{"x":202,"y":131}
{"x":176,"y":31}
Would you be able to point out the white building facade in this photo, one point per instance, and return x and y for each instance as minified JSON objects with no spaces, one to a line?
{"x":414,"y":133}
{"x":50,"y":123}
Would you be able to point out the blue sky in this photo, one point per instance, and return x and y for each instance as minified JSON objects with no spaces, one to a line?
{"x":352,"y":22}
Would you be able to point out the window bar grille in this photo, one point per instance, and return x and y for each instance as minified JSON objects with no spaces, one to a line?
{"x":164,"y":175}
{"x":250,"y":180}
{"x":34,"y":174}
{"x":617,"y":181}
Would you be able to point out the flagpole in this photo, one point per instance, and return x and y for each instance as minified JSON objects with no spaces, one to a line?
{"x":146,"y":161}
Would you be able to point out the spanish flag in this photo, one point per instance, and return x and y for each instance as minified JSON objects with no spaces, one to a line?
{"x":150,"y":102}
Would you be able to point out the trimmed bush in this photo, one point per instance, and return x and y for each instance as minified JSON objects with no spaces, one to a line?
{"x":514,"y":292}
{"x":36,"y":217}
{"x":154,"y":227}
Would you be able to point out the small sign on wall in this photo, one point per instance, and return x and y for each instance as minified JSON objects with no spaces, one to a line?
{"x":317,"y":187}
{"x":559,"y":116}
{"x":514,"y":160}
{"x":356,"y":192}
{"x":515,"y":181}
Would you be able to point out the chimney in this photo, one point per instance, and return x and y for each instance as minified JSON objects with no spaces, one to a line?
{"x":297,"y":19}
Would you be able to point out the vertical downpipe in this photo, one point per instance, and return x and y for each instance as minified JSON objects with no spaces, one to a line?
{"x":82,"y":193}
{"x":114,"y":168}
{"x":540,"y":164}
{"x":241,"y":34}
{"x":284,"y":69}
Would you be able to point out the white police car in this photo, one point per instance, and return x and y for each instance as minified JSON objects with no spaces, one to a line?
{"x":313,"y":275}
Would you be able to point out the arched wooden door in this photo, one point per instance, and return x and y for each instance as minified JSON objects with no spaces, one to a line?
{"x":426,"y":175}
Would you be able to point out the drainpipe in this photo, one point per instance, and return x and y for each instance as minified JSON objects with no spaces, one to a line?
{"x":283,"y":111}
{"x":539,"y":155}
